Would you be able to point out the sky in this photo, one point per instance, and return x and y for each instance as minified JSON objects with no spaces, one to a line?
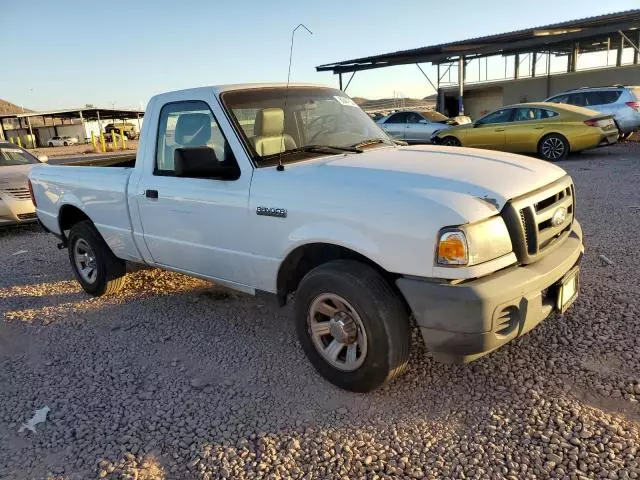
{"x":119,"y":53}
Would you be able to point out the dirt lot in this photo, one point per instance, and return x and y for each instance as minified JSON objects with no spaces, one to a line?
{"x":176,"y":378}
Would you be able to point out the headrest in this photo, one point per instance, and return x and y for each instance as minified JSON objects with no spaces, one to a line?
{"x":193,"y":129}
{"x":269,"y":123}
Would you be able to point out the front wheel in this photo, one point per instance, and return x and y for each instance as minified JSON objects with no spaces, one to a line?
{"x":352,"y":326}
{"x":451,"y":141}
{"x":553,"y":147}
{"x":50,"y":144}
{"x":66,"y":144}
{"x":94,"y":265}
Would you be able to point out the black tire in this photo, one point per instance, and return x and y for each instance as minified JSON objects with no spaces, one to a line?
{"x":109,"y":270}
{"x":553,"y":147}
{"x":381,"y":311}
{"x":66,"y":144}
{"x":450,"y":141}
{"x":50,"y":144}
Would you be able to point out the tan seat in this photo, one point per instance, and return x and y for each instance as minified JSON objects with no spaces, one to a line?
{"x":269,"y":133}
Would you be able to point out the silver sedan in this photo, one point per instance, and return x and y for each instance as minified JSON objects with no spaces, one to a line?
{"x":15,"y":200}
{"x":417,"y":127}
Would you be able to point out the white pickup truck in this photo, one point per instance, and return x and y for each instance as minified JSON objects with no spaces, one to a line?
{"x":297,"y":192}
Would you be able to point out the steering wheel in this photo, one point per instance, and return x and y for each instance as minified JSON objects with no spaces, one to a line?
{"x":327,"y":124}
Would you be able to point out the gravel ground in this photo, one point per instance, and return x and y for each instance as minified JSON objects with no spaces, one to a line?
{"x":177,"y":378}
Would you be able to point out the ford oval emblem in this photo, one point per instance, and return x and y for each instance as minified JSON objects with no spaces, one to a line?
{"x":559,"y":217}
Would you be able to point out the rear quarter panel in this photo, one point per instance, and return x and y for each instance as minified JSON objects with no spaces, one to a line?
{"x":100,"y":192}
{"x":579,"y":135}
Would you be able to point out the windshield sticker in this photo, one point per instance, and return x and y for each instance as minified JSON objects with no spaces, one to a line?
{"x":346,"y":101}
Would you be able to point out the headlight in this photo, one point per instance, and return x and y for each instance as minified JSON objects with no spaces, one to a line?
{"x":473,"y":244}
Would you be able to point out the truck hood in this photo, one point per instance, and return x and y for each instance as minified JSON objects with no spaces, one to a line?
{"x":474,"y":183}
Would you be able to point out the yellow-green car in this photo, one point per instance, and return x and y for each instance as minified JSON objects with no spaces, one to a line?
{"x":549,"y":129}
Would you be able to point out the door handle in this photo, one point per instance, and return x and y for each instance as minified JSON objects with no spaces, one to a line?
{"x":499,"y":129}
{"x":151,"y":193}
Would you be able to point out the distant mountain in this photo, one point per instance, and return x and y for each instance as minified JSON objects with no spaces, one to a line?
{"x":8,"y":108}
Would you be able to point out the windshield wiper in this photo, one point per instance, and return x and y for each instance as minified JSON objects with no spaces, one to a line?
{"x":314,"y":149}
{"x":327,"y":148}
{"x":368,"y":141}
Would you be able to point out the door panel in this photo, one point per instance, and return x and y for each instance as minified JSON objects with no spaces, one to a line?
{"x":528,"y":126}
{"x":395,"y":125}
{"x":522,"y":136}
{"x":418,"y":128}
{"x":490,"y":136}
{"x":489,"y":131}
{"x":195,"y":224}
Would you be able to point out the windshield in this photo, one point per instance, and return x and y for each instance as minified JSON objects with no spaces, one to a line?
{"x":11,"y":156}
{"x":314,"y":120}
{"x":435,"y":116}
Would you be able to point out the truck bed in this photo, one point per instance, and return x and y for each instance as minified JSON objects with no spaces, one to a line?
{"x":99,"y":192}
{"x":126,"y":161}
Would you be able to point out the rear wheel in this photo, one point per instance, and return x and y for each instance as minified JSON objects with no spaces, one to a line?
{"x":352,"y":326}
{"x":51,"y":144}
{"x":553,"y":147}
{"x":451,"y":141}
{"x":94,"y":265}
{"x":66,"y":144}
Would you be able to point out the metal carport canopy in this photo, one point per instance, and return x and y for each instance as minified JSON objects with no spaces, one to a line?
{"x":88,"y":113}
{"x":558,"y":38}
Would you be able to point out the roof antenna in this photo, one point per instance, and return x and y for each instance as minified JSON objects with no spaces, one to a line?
{"x":280,"y":167}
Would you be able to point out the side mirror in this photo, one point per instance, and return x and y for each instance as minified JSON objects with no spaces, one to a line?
{"x":201,"y":162}
{"x":43,"y":158}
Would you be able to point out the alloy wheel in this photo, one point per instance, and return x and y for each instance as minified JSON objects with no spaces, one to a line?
{"x":337,"y":332}
{"x":85,"y":261}
{"x":553,"y":148}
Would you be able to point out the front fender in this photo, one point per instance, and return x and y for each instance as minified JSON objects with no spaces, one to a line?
{"x":334,"y":234}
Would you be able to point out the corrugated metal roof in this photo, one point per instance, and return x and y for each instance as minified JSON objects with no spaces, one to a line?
{"x":497,"y":40}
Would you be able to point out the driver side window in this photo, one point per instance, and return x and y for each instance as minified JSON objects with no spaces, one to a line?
{"x":415,"y":118}
{"x":188,"y":124}
{"x":397,"y":118}
{"x":499,"y":116}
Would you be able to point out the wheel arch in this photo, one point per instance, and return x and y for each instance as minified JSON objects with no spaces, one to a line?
{"x":547,"y":134}
{"x":70,"y":215}
{"x":306,"y":257}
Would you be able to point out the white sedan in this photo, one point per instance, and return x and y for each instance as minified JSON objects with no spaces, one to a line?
{"x":62,"y":141}
{"x":417,"y":127}
{"x":15,"y":200}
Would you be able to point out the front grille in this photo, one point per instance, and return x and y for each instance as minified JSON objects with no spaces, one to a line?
{"x":530,"y":219}
{"x":26,"y":216}
{"x":21,"y":193}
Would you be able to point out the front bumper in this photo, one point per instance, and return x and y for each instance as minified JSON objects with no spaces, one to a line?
{"x":462,"y":322}
{"x":14,"y":212}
